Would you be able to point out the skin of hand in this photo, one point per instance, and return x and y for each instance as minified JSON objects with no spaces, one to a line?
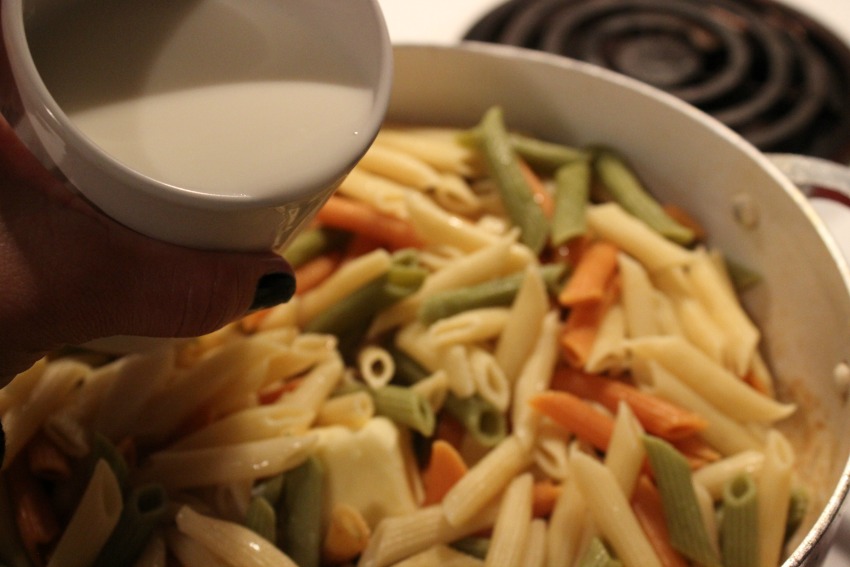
{"x":69,"y":274}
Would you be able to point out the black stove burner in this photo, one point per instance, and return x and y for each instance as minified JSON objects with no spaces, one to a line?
{"x":769,"y":72}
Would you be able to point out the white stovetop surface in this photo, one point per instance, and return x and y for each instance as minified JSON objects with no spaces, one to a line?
{"x":446,"y":21}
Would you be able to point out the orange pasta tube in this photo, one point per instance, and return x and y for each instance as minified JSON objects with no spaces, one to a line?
{"x":445,"y":468}
{"x":36,"y":520}
{"x":592,"y":276}
{"x":542,"y":196}
{"x":363,"y":220}
{"x":544,"y":495}
{"x":582,"y":325}
{"x":575,"y":415}
{"x":656,"y":415}
{"x":646,"y":504}
{"x":315,"y":271}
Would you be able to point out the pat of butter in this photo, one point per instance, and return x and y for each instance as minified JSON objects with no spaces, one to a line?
{"x":365,"y":469}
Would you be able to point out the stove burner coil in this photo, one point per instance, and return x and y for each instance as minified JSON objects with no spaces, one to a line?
{"x":774,"y":75}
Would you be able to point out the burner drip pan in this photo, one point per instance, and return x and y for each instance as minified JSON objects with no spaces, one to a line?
{"x":777,"y":77}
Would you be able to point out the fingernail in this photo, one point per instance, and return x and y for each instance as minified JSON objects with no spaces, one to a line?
{"x":273,"y":289}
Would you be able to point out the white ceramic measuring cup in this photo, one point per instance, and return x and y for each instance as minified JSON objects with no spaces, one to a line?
{"x":220,"y":124}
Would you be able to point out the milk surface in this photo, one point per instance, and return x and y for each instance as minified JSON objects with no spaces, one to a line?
{"x":226,"y":97}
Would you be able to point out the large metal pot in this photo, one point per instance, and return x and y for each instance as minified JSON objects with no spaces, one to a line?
{"x":751,"y":210}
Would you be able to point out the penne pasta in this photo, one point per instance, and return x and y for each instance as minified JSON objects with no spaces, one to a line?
{"x":611,"y":513}
{"x":512,"y":526}
{"x":484,"y":480}
{"x":232,"y":543}
{"x":93,"y":521}
{"x":521,"y":331}
{"x":712,"y":381}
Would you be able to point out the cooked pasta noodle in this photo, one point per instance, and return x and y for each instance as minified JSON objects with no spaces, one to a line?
{"x":457,"y":387}
{"x":93,"y":521}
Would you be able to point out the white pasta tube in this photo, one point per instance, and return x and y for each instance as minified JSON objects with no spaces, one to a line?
{"x":350,"y":410}
{"x":551,"y":450}
{"x":454,"y":194}
{"x":316,"y":385}
{"x":442,"y":153}
{"x":190,"y":551}
{"x":413,"y":339}
{"x":22,"y":421}
{"x":699,"y":328}
{"x":455,"y":362}
{"x":15,"y":392}
{"x":510,"y":532}
{"x":489,"y":378}
{"x":473,"y":326}
{"x":400,"y":166}
{"x":441,"y":556}
{"x":611,"y":222}
{"x":774,"y":492}
{"x":714,"y":476}
{"x":521,"y":332}
{"x":154,"y":554}
{"x":196,"y":386}
{"x":484,"y":480}
{"x":92,"y":522}
{"x":535,"y":545}
{"x":722,"y":432}
{"x":626,"y":455}
{"x":535,"y":376}
{"x":637,"y":298}
{"x":399,"y":537}
{"x":608,"y":352}
{"x":709,"y":379}
{"x":484,"y":263}
{"x":348,"y":278}
{"x":713,"y":291}
{"x":379,"y":192}
{"x":252,"y":424}
{"x":564,"y":533}
{"x":376,"y":366}
{"x":235,"y":544}
{"x":611,"y":511}
{"x":138,"y":377}
{"x":433,"y":389}
{"x":218,"y":465}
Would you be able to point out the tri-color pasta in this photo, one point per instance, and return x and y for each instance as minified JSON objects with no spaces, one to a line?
{"x":502,"y":351}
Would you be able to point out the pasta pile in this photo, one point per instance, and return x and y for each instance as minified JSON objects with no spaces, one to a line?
{"x":502,"y":351}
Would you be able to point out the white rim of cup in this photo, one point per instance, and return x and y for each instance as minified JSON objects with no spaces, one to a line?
{"x":20,"y":58}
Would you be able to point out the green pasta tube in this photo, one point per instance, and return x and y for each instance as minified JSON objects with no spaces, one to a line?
{"x":313,"y":243}
{"x":797,"y":507}
{"x":516,"y":195}
{"x":474,"y":546}
{"x":742,"y":276}
{"x":261,"y":518}
{"x":12,"y":552}
{"x":407,"y":370}
{"x":625,"y":188}
{"x":572,"y":192}
{"x":300,"y":514}
{"x":270,"y":489}
{"x":144,"y":508}
{"x":688,"y":533}
{"x":739,"y":528}
{"x":493,"y":293}
{"x":482,"y":420}
{"x":598,"y":555}
{"x":354,"y":312}
{"x":545,"y":156}
{"x":404,"y":406}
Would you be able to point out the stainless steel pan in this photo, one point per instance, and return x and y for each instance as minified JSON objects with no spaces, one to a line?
{"x":751,"y":210}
